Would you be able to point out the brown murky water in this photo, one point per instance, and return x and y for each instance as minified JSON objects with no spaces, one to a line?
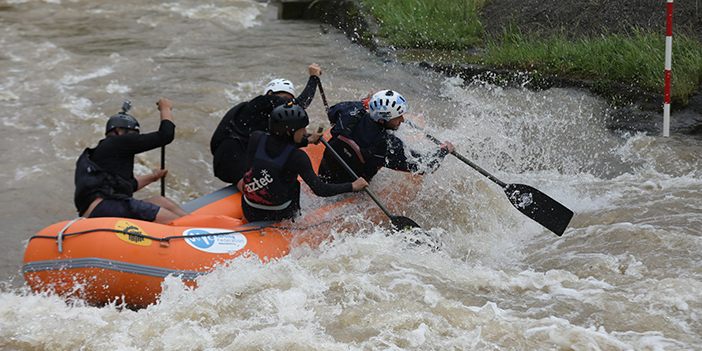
{"x":626,"y":275}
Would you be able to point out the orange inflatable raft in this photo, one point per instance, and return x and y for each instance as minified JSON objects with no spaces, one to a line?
{"x":103,"y":260}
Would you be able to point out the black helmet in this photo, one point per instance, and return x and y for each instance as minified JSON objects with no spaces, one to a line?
{"x":122,"y":120}
{"x":287,"y":118}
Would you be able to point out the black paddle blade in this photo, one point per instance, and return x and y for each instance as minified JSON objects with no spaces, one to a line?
{"x":539,"y":207}
{"x":403,"y":223}
{"x":414,"y":235}
{"x":418,"y":237}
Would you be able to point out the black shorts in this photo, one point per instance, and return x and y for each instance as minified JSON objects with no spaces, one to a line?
{"x":126,"y":208}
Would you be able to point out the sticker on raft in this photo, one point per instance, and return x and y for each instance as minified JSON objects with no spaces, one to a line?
{"x":134,"y":234}
{"x":225,"y":243}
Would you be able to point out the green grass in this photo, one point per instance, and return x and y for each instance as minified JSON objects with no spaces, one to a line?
{"x":636,"y":59}
{"x":428,"y":24}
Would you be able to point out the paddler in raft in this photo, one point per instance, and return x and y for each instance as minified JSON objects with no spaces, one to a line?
{"x":230,"y":140}
{"x":104,"y":176}
{"x":362,"y":135}
{"x":271,"y":191}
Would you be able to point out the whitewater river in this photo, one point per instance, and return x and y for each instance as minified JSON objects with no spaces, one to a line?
{"x":626,"y":275}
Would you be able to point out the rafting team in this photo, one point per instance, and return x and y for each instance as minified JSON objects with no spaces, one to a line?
{"x":257,"y":147}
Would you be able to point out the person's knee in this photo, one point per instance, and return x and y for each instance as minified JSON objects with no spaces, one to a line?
{"x":166,"y":204}
{"x":159,"y":201}
{"x":165,"y":216}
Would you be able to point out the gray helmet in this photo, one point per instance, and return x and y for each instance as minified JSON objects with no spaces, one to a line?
{"x":122,"y":120}
{"x":287,"y":118}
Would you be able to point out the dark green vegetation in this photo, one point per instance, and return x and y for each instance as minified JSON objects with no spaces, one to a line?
{"x":433,"y":24}
{"x":633,"y":56}
{"x":636,"y":59}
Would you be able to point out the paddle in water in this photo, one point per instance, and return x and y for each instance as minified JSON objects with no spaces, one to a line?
{"x":399,"y":222}
{"x":528,"y":200}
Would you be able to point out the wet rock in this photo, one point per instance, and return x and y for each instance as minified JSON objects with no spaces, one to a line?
{"x":633,"y":120}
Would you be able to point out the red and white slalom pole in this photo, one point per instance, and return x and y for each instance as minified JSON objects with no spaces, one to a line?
{"x":668,"y":54}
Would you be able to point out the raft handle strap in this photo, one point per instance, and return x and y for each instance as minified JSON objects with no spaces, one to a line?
{"x":60,"y":234}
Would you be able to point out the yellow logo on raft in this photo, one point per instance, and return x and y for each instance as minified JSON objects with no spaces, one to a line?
{"x":135,"y":233}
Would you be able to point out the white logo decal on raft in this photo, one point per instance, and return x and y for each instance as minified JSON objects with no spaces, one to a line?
{"x":259,"y":183}
{"x":202,"y":240}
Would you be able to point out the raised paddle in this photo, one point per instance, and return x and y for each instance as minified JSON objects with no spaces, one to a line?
{"x":529,"y":201}
{"x":324,"y":97}
{"x":399,"y":222}
{"x":163,"y":166}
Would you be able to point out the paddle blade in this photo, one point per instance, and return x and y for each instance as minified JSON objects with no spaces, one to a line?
{"x":539,"y":207}
{"x":403,"y":223}
{"x":418,"y":237}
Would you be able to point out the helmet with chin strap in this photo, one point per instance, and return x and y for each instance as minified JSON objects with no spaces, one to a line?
{"x":280,"y":85}
{"x":386,"y":105}
{"x":122,"y":120}
{"x":287,"y":118}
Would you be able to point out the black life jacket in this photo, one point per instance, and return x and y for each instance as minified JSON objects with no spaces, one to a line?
{"x":350,"y":152}
{"x":227,"y":128}
{"x":352,"y":156}
{"x":91,"y":181}
{"x":263,"y":185}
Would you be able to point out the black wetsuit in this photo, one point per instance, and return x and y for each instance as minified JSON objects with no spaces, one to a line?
{"x":375,"y":146}
{"x":229,"y":141}
{"x":297,"y":163}
{"x":114,"y":159}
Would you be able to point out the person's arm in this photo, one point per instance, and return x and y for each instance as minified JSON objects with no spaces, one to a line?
{"x":304,"y":142}
{"x":397,"y":160}
{"x":137,"y":143}
{"x":305,"y":98}
{"x":320,"y":188}
{"x":165,"y":106}
{"x":145,"y":180}
{"x":313,"y":138}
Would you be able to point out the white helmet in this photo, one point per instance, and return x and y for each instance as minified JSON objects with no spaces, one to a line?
{"x":386,"y":105}
{"x":278,"y":85}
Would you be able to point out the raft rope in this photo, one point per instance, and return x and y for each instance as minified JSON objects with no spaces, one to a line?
{"x":62,"y":234}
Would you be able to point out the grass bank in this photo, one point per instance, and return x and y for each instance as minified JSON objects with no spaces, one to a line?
{"x":636,"y":58}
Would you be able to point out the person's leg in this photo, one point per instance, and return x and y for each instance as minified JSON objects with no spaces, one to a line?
{"x":165,"y":216}
{"x":167,"y":204}
{"x":138,"y":209}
